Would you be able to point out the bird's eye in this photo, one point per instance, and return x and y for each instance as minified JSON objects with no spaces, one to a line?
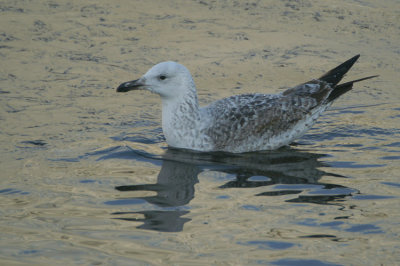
{"x":162,"y":77}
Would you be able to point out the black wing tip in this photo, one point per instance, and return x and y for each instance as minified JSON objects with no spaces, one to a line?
{"x":349,"y":63}
{"x":345,"y":87}
{"x":369,"y":77}
{"x":335,"y":75}
{"x":355,"y":57}
{"x":354,"y":81}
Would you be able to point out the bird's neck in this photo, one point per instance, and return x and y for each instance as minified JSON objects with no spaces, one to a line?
{"x":180,"y":116}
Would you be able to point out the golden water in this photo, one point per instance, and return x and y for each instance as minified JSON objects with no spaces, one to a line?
{"x":86,"y":177}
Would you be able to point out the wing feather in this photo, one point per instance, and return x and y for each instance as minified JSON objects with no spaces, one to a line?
{"x":241,"y":118}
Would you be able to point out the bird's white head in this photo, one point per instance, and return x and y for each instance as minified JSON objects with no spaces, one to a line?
{"x":168,"y":79}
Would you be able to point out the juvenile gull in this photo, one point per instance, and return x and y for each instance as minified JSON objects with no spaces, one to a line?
{"x":240,"y":123}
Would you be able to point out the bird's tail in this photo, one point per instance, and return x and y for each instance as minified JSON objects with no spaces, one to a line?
{"x":345,"y":87}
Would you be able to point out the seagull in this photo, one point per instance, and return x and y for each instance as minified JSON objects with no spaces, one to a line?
{"x":240,"y":123}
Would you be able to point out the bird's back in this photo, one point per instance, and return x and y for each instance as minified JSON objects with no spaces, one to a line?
{"x":251,"y":122}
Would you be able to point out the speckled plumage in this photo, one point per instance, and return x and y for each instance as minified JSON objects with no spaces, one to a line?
{"x":240,"y":123}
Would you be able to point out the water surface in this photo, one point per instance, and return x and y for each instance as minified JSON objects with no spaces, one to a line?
{"x":86,"y":175}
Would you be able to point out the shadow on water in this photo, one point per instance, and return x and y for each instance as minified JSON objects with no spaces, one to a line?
{"x":283,"y":172}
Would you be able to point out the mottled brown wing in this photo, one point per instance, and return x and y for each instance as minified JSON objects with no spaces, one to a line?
{"x":263,"y":116}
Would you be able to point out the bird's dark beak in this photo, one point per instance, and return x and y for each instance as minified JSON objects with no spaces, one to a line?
{"x":131,"y":85}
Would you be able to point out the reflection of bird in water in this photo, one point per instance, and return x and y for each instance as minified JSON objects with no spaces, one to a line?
{"x":174,"y":187}
{"x":240,"y":123}
{"x":176,"y":181}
